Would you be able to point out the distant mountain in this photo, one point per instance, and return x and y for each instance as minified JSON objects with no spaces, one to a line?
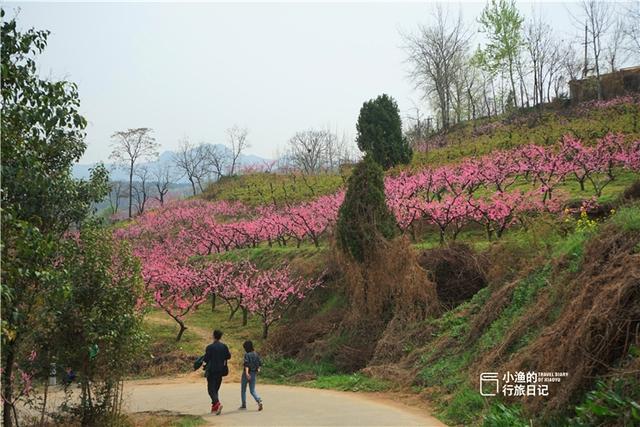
{"x":82,"y":171}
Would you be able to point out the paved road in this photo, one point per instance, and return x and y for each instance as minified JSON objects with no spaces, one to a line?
{"x":283,"y":405}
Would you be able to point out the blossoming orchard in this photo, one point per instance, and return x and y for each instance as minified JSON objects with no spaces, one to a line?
{"x":496,"y":191}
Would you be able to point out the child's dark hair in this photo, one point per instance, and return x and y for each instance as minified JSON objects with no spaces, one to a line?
{"x":217,"y":334}
{"x":248,"y":346}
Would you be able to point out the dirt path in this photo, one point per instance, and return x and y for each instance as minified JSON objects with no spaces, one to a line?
{"x":284,"y":405}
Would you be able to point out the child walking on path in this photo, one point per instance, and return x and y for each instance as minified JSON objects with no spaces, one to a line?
{"x":252,"y":365}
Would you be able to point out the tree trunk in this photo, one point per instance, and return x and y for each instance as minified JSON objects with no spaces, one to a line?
{"x":265,"y":330}
{"x":513,"y":83}
{"x":596,"y":57}
{"x":182,"y":329}
{"x":233,"y":310}
{"x":245,"y":316}
{"x":7,"y":380}
{"x":44,"y":403}
{"x":213,"y":302}
{"x":130,"y":188}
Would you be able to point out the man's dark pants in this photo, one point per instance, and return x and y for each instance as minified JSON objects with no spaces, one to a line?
{"x":213,"y":387}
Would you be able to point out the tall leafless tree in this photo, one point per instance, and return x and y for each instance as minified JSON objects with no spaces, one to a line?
{"x":598,"y":17}
{"x":631,"y":28}
{"x":162,"y":175}
{"x":539,"y":46}
{"x":436,"y":54}
{"x":130,"y":147}
{"x":417,"y":129}
{"x":312,"y":150}
{"x":615,"y":52}
{"x":191,"y":161}
{"x":237,"y":141}
{"x":217,"y":159}
{"x":571,"y":63}
{"x":142,"y":188}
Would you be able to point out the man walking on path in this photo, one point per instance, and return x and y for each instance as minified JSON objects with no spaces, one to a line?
{"x":215,"y":357}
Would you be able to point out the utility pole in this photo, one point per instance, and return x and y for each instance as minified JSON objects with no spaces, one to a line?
{"x":586,"y":63}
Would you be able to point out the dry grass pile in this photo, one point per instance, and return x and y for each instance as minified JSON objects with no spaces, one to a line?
{"x":389,"y":284}
{"x":163,"y":362}
{"x":632,"y":192}
{"x":457,"y":271}
{"x":597,"y":325}
{"x":303,"y":342}
{"x":386,"y":293}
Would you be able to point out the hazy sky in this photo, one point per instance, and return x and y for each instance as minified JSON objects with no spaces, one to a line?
{"x":197,"y":69}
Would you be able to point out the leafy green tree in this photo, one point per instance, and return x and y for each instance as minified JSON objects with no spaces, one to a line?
{"x":380,"y":132}
{"x":42,"y":135}
{"x":364,"y":215}
{"x":98,"y":325}
{"x":502,"y":23}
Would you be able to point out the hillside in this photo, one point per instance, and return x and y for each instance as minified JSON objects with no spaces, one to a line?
{"x":531,"y":252}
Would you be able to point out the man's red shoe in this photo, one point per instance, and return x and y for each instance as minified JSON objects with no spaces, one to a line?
{"x":214,"y":407}
{"x":219,"y":409}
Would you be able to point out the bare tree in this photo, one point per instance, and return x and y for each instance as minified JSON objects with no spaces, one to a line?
{"x":571,"y":64}
{"x":347,"y":149}
{"x":418,"y":128}
{"x":554,"y":67}
{"x":142,"y":188}
{"x":217,"y":158}
{"x":237,"y":140}
{"x":163,"y":178}
{"x":131,"y":146}
{"x":539,"y":46}
{"x":631,"y":28}
{"x":523,"y":74}
{"x":598,"y":18}
{"x":309,"y":150}
{"x":192,"y":162}
{"x":614,"y":51}
{"x":436,"y":54}
{"x":267,"y":166}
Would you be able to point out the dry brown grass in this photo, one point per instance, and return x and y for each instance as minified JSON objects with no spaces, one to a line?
{"x":596,"y":326}
{"x":457,"y":271}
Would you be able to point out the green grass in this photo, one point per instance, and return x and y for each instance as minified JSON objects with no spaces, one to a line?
{"x":164,"y":334}
{"x":501,"y":415}
{"x":447,"y":371}
{"x":163,"y":419}
{"x":189,"y":421}
{"x":464,"y":407}
{"x":282,"y":370}
{"x":269,"y":188}
{"x":349,"y":382}
{"x":627,"y":217}
{"x":523,"y":296}
{"x":265,"y":256}
{"x":285,"y":370}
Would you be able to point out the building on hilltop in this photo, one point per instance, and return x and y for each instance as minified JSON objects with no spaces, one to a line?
{"x":614,"y":84}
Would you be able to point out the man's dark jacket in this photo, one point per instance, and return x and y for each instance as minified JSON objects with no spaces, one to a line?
{"x":216,"y":356}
